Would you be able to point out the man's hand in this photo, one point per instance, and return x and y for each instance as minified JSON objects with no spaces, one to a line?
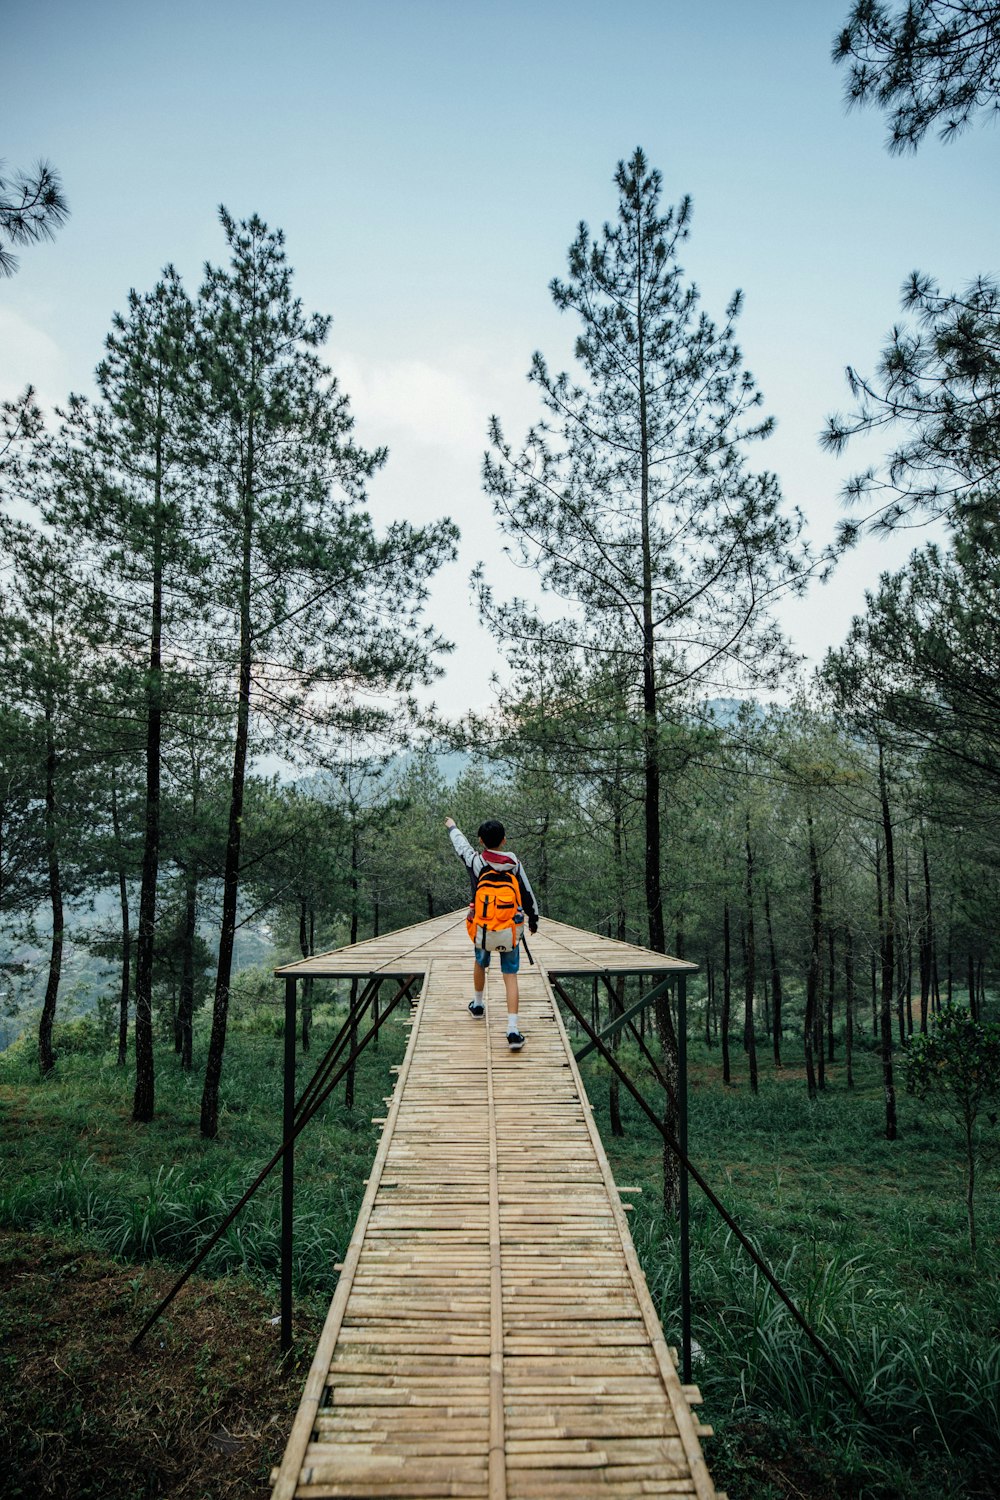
{"x":450,"y":823}
{"x":532,"y":925}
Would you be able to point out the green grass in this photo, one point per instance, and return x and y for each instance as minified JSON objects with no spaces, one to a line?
{"x":74,"y":1162}
{"x":869,"y":1238}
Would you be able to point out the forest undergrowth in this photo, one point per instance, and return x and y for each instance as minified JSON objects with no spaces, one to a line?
{"x":97,"y":1218}
{"x":868,"y":1237}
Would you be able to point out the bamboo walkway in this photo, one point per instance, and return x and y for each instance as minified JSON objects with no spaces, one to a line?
{"x":491,"y":1333}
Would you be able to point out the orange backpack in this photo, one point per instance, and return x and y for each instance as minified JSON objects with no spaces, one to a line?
{"x":496,"y":919}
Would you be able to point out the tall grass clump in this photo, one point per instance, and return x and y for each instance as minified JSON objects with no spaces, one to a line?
{"x":930,"y":1382}
{"x":174,"y":1213}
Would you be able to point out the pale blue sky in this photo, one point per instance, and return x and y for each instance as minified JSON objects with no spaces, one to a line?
{"x":429,"y":161}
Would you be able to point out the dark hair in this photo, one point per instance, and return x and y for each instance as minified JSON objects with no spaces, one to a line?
{"x":492,"y":834}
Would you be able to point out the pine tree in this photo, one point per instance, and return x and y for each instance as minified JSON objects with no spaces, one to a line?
{"x":632,"y":496}
{"x":32,"y":207}
{"x":21,"y":833}
{"x":937,"y":385}
{"x":930,"y":61}
{"x":311,"y":606}
{"x":126,"y":496}
{"x":957,"y":1068}
{"x":46,"y":657}
{"x":921,"y":664}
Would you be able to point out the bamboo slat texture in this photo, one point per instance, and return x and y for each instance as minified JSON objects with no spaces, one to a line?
{"x":491,"y":1333}
{"x":556,"y":948}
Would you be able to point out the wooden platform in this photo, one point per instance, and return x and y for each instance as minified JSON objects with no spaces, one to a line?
{"x":491,"y":1332}
{"x":557,"y":949}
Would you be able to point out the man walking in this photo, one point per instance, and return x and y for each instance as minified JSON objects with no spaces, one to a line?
{"x":500,"y":868}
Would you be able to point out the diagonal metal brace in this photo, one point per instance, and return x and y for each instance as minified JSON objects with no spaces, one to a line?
{"x":825,"y":1354}
{"x":624,"y":1018}
{"x":307,"y":1114}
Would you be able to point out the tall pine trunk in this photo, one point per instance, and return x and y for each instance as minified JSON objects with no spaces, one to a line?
{"x":651,"y":758}
{"x":876,"y":957}
{"x":888,"y":952}
{"x":813,"y":977}
{"x":926,"y":947}
{"x":185,"y":1005}
{"x":353,"y":1041}
{"x":231,"y":873}
{"x":46,"y":1057}
{"x":185,"y":1008}
{"x":305,"y":949}
{"x":831,"y":990}
{"x":142,"y":1103}
{"x":650,"y":721}
{"x":849,"y":1002}
{"x":726,"y":994}
{"x":617,"y":992}
{"x":668,"y":1046}
{"x":750,"y":967}
{"x":126,"y":969}
{"x":904,"y":962}
{"x":775,"y":980}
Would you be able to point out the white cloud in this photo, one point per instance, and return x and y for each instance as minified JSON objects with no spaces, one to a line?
{"x":433,"y":406}
{"x":29,"y":356}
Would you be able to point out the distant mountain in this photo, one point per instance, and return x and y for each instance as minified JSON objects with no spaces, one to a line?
{"x":86,"y":978}
{"x":726,"y":711}
{"x":450,"y":763}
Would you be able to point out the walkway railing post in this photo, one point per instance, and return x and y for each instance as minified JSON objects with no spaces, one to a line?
{"x":288,"y":1166}
{"x":682,"y":1131}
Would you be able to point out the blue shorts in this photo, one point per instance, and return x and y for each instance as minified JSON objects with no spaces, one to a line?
{"x":509,"y":962}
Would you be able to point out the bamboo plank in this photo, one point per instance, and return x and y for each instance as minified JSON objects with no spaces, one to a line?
{"x":384,"y":1451}
{"x":358,"y":1468}
{"x":704,"y":1487}
{"x":491,"y":1339}
{"x":389,"y":1490}
{"x":288,"y":1474}
{"x":350,"y":1395}
{"x":497,"y":1460}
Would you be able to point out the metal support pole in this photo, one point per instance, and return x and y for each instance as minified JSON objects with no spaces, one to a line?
{"x":318,"y":1081}
{"x":719,"y":1207}
{"x":682,"y":1132}
{"x":624,"y":1018}
{"x":304,"y":1118}
{"x":288,"y":1167}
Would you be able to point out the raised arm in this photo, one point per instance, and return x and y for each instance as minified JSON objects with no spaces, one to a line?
{"x":460,"y":843}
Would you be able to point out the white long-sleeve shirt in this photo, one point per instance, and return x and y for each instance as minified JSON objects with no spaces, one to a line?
{"x":496,"y":859}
